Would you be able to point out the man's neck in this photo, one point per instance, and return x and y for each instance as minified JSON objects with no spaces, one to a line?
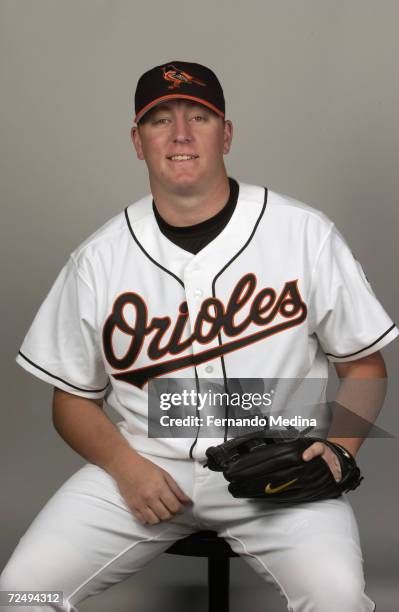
{"x":188,"y":209}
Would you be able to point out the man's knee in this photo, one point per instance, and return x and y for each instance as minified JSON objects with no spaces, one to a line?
{"x":335,"y":590}
{"x":19,"y":575}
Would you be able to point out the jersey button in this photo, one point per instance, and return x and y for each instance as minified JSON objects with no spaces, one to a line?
{"x":198,"y":293}
{"x":209,"y":369}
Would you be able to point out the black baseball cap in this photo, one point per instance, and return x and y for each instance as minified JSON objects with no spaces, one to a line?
{"x":175,"y":80}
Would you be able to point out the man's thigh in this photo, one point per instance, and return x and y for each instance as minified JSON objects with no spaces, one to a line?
{"x":304,"y":550}
{"x":86,"y":538}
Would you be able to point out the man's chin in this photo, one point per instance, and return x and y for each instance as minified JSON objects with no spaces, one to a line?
{"x":184,"y":185}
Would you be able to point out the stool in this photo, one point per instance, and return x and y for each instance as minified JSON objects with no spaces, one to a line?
{"x":208,"y":544}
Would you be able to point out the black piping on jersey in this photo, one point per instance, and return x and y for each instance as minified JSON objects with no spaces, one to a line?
{"x":61,"y":379}
{"x":180,"y":283}
{"x":214,"y":295}
{"x":213,"y":290}
{"x":147,"y":254}
{"x":365,"y":348}
{"x":197,"y":413}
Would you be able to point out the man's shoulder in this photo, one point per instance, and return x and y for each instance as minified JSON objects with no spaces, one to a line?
{"x":283,"y":206}
{"x":114,"y":231}
{"x":292,"y":204}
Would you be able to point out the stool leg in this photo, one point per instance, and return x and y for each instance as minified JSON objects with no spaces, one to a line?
{"x":218,"y":583}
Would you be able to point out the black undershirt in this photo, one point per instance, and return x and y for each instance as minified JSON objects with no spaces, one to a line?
{"x":193,"y":238}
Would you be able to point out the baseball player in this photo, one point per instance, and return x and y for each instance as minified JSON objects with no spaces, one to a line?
{"x":205,"y":277}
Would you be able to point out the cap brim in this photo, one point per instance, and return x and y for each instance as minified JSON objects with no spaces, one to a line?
{"x":157,"y":101}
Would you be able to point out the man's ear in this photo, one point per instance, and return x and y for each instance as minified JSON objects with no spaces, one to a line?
{"x":135,"y":136}
{"x":227,"y":136}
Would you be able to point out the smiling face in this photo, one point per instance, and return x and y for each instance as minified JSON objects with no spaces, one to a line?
{"x":183,"y":144}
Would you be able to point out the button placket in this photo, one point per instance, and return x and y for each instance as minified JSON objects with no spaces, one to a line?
{"x":196,"y":289}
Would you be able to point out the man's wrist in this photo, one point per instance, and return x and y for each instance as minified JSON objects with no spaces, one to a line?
{"x":122,"y":454}
{"x":350,"y":444}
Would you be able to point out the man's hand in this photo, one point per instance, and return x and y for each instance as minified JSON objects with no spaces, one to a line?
{"x":363,"y":399}
{"x":318,"y":448}
{"x":149,"y":491}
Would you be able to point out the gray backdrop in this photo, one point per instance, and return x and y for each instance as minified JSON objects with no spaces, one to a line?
{"x":312,"y":89}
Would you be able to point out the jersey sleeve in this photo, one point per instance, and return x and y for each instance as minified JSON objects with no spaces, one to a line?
{"x":347,"y":318}
{"x":62,"y":346}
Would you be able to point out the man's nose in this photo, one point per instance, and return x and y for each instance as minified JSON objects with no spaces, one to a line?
{"x":181,"y":129}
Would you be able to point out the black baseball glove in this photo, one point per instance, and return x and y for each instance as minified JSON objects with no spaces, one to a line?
{"x":272,"y":468}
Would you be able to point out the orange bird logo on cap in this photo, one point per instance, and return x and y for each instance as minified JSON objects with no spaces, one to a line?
{"x":177,"y":77}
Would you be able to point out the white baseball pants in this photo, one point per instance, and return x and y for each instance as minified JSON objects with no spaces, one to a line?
{"x":85,"y":539}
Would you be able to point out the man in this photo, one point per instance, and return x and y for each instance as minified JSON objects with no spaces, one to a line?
{"x":205,"y":278}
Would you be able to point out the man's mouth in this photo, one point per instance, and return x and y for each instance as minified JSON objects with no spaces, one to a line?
{"x":182,"y":157}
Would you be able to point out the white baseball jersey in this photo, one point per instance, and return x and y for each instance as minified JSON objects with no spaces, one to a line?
{"x":277,"y":294}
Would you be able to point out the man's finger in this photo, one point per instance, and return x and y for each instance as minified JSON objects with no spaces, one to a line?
{"x":171,"y":502}
{"x":181,"y":496}
{"x":139,"y":516}
{"x":317,"y":448}
{"x":150,"y":517}
{"x":161,"y":510}
{"x":332,"y":461}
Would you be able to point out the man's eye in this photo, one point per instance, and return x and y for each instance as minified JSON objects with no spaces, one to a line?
{"x":200,"y":118}
{"x":162,"y":120}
